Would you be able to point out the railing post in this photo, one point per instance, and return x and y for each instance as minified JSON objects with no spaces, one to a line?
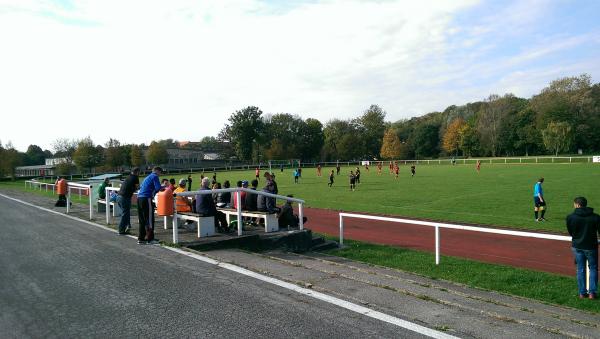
{"x":240,"y":221}
{"x":587,"y":276}
{"x":301,"y":216}
{"x":107,"y":206}
{"x":437,"y":245}
{"x":68,"y":199}
{"x":341,"y":230}
{"x":91,"y":204}
{"x":175,"y":221}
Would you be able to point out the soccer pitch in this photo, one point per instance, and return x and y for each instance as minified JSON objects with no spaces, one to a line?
{"x":500,"y":195}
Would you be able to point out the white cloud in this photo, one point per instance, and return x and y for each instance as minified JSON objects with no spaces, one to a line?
{"x":143,"y":70}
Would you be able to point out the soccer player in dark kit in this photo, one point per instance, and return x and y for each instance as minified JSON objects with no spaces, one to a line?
{"x":352,"y":178}
{"x":331,"y":175}
{"x":412,"y":170}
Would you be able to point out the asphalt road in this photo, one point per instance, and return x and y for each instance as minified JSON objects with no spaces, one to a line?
{"x":64,"y":278}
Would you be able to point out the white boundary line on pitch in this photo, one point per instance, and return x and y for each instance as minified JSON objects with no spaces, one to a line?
{"x":305,"y":291}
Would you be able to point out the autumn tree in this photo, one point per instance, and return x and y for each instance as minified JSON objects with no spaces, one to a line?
{"x":64,"y":148}
{"x":391,"y":147}
{"x":245,"y":131}
{"x":311,"y":139}
{"x":426,"y":140}
{"x":341,"y":141}
{"x":113,"y":153}
{"x":157,"y":153}
{"x":9,"y":159}
{"x":467,"y":140}
{"x":490,"y":119}
{"x":557,"y":137}
{"x":371,"y":128}
{"x":35,"y":155}
{"x":136,"y":156}
{"x":451,"y":139}
{"x":86,"y":155}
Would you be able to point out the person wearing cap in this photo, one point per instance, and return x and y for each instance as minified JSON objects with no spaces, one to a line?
{"x":182,"y":203}
{"x":125,"y":193}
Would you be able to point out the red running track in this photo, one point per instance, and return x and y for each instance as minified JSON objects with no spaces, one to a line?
{"x":552,"y":256}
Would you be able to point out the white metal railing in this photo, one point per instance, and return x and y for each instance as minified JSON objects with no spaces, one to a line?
{"x":79,"y":188}
{"x":238,"y":203}
{"x":438,"y":225}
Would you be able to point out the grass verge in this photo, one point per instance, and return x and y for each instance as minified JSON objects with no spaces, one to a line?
{"x":545,"y":287}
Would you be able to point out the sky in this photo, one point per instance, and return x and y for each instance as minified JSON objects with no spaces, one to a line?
{"x":138,"y":71}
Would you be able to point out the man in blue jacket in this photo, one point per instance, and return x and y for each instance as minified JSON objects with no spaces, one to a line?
{"x":149,"y":187}
{"x":584,"y":226}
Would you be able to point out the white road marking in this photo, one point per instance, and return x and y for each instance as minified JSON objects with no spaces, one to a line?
{"x":305,"y":291}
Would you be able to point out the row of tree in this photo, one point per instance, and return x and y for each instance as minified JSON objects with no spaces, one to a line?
{"x":563,"y":117}
{"x":10,"y":157}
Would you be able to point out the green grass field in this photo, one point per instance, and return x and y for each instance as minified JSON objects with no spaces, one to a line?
{"x":501,"y":194}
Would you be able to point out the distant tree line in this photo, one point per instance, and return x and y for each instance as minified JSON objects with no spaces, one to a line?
{"x":563,"y":118}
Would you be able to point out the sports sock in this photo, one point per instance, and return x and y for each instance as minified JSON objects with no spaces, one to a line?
{"x":536,"y":214}
{"x":543,"y":212}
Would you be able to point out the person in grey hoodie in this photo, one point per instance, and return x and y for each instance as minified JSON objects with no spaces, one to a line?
{"x":584,"y":226}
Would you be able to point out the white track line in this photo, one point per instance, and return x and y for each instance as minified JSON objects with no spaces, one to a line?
{"x":305,"y":291}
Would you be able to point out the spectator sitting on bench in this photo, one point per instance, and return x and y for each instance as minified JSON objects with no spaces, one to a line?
{"x":251,"y":198}
{"x":215,"y":186}
{"x":183,"y":204}
{"x":172,"y":186}
{"x":102,"y":188}
{"x":286,"y":216}
{"x":205,"y":206}
{"x":224,"y":199}
{"x":264,"y":203}
{"x":243,"y":195}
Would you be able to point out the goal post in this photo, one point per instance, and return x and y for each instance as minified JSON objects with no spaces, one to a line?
{"x":280,"y":164}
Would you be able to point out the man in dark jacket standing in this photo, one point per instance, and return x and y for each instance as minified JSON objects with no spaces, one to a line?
{"x":128,"y":187}
{"x":584,"y":226}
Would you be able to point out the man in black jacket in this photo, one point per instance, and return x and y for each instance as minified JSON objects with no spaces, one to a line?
{"x":584,"y":226}
{"x":128,"y":187}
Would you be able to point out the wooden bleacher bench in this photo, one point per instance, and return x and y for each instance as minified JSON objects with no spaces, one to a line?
{"x":271,"y":220}
{"x":206,"y":225}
